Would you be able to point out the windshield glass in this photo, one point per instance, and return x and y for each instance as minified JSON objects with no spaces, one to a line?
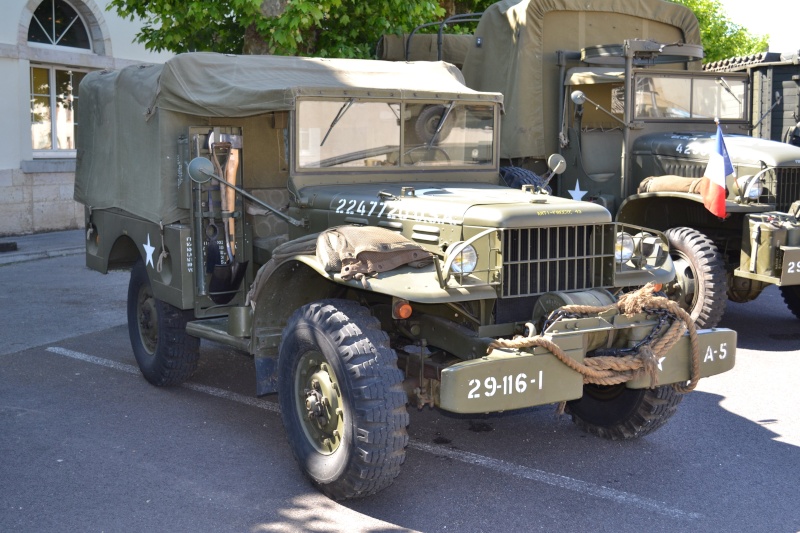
{"x":689,"y":97}
{"x":356,"y":134}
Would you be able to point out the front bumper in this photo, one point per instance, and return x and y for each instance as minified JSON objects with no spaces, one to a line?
{"x":509,"y":379}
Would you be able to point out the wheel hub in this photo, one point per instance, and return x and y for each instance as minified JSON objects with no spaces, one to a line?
{"x":148,"y":324}
{"x":683,"y":289}
{"x":320,"y":405}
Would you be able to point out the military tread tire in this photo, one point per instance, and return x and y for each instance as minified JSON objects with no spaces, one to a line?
{"x":165,"y":353}
{"x":428,"y":121}
{"x":701,"y":283}
{"x":791,"y":295}
{"x":334,"y":358}
{"x":618,"y":413}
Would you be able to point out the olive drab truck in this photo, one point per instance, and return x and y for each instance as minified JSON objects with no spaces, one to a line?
{"x":618,"y":89}
{"x":342,"y":222}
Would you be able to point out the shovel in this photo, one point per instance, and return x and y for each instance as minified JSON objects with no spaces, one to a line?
{"x":226,"y":277}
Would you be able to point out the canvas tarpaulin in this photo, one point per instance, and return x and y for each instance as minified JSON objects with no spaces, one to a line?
{"x":517,"y":55}
{"x":424,"y":47}
{"x":130,"y":120}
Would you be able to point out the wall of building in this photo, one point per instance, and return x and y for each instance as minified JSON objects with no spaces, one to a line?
{"x":36,"y":187}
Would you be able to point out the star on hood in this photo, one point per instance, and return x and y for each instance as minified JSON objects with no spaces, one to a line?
{"x":149,"y":251}
{"x":577,"y":193}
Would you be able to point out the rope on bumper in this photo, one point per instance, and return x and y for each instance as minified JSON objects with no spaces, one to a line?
{"x":611,"y":370}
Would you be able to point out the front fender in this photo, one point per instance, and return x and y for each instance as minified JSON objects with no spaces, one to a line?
{"x":664,"y":210}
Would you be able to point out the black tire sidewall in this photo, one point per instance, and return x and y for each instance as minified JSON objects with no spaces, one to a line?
{"x":320,"y":468}
{"x":791,"y":295}
{"x":706,"y":262}
{"x":147,"y":362}
{"x":176,"y":352}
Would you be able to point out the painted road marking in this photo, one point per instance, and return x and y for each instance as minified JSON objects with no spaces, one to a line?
{"x":497,"y":465}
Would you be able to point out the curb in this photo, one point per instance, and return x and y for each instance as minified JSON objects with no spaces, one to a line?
{"x":8,"y":258}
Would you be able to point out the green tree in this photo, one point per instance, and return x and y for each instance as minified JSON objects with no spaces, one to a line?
{"x":721,"y":37}
{"x":335,"y":28}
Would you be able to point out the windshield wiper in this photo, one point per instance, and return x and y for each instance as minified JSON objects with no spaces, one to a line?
{"x":337,"y":118}
{"x":721,"y":81}
{"x":441,"y":122}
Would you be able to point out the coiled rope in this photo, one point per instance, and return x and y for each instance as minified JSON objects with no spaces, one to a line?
{"x":612,"y":370}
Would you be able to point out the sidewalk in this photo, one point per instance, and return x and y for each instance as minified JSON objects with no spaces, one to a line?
{"x":43,"y":245}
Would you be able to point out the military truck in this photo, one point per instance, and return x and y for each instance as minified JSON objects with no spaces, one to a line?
{"x":775,"y":92}
{"x":342,"y":223}
{"x":618,"y":88}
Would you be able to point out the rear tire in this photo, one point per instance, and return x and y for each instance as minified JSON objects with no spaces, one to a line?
{"x":791,"y":295}
{"x":165,"y":353}
{"x":341,"y":399}
{"x":700,"y":285}
{"x":616,"y":412}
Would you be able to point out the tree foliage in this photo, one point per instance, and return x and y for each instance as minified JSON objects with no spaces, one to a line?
{"x":337,"y":28}
{"x":346,"y":28}
{"x":721,"y":37}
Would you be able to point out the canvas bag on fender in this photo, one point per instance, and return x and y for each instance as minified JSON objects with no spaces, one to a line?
{"x":358,"y":251}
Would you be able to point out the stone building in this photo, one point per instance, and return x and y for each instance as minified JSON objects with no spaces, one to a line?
{"x":46,"y":47}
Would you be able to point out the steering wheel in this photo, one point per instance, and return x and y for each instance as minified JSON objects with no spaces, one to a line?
{"x":427,"y":148}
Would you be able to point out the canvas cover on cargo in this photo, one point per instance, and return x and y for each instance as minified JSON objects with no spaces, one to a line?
{"x":517,"y":55}
{"x":130,"y":120}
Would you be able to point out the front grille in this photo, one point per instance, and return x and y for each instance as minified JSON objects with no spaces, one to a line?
{"x":787,"y":188}
{"x":562,"y":258}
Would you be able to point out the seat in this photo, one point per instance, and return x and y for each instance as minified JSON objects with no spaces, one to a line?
{"x":601,"y":154}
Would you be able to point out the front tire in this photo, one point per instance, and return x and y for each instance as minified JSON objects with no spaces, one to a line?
{"x":165,"y":353}
{"x":616,"y":412}
{"x":341,"y":399}
{"x":700,"y":285}
{"x":791,"y":295}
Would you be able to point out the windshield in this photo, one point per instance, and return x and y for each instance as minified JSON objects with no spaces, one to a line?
{"x":689,"y":97}
{"x":356,"y":134}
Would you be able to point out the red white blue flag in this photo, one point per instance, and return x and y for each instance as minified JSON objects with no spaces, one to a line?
{"x":712,"y":186}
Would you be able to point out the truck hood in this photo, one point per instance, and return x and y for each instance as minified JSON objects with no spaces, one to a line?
{"x":471,"y":204}
{"x":698,"y":145}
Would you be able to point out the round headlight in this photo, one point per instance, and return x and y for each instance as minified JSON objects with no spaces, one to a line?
{"x":751,"y":186}
{"x":624,"y":247}
{"x":465,"y":260}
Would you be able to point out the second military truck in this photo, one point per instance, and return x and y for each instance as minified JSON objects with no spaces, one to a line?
{"x":617,"y":88}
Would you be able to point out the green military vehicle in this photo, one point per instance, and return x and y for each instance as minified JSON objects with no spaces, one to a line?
{"x":618,"y":89}
{"x":342,"y":223}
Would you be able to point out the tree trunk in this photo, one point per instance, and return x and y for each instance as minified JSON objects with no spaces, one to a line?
{"x":254,"y":43}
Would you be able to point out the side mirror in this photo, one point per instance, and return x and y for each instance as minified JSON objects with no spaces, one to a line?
{"x":200,"y":170}
{"x":578,"y":97}
{"x":556,"y":163}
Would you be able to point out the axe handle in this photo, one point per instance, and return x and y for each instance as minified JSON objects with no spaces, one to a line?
{"x":231,"y":169}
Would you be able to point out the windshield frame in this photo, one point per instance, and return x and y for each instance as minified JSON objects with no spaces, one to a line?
{"x":732,"y":79}
{"x":487,"y":161}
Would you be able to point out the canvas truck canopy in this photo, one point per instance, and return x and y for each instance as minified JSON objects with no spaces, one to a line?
{"x":517,"y":55}
{"x":130,"y":120}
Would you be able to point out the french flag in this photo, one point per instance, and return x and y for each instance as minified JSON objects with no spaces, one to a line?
{"x":712,"y":186}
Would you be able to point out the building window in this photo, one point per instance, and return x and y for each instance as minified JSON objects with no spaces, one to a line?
{"x":54,"y":89}
{"x":56,"y":23}
{"x":54,"y":100}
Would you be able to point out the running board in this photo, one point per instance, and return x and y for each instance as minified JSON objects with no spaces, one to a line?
{"x":216,"y":329}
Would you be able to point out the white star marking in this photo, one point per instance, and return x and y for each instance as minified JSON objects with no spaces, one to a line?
{"x":661,"y":360}
{"x":149,"y":251}
{"x":577,"y":193}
